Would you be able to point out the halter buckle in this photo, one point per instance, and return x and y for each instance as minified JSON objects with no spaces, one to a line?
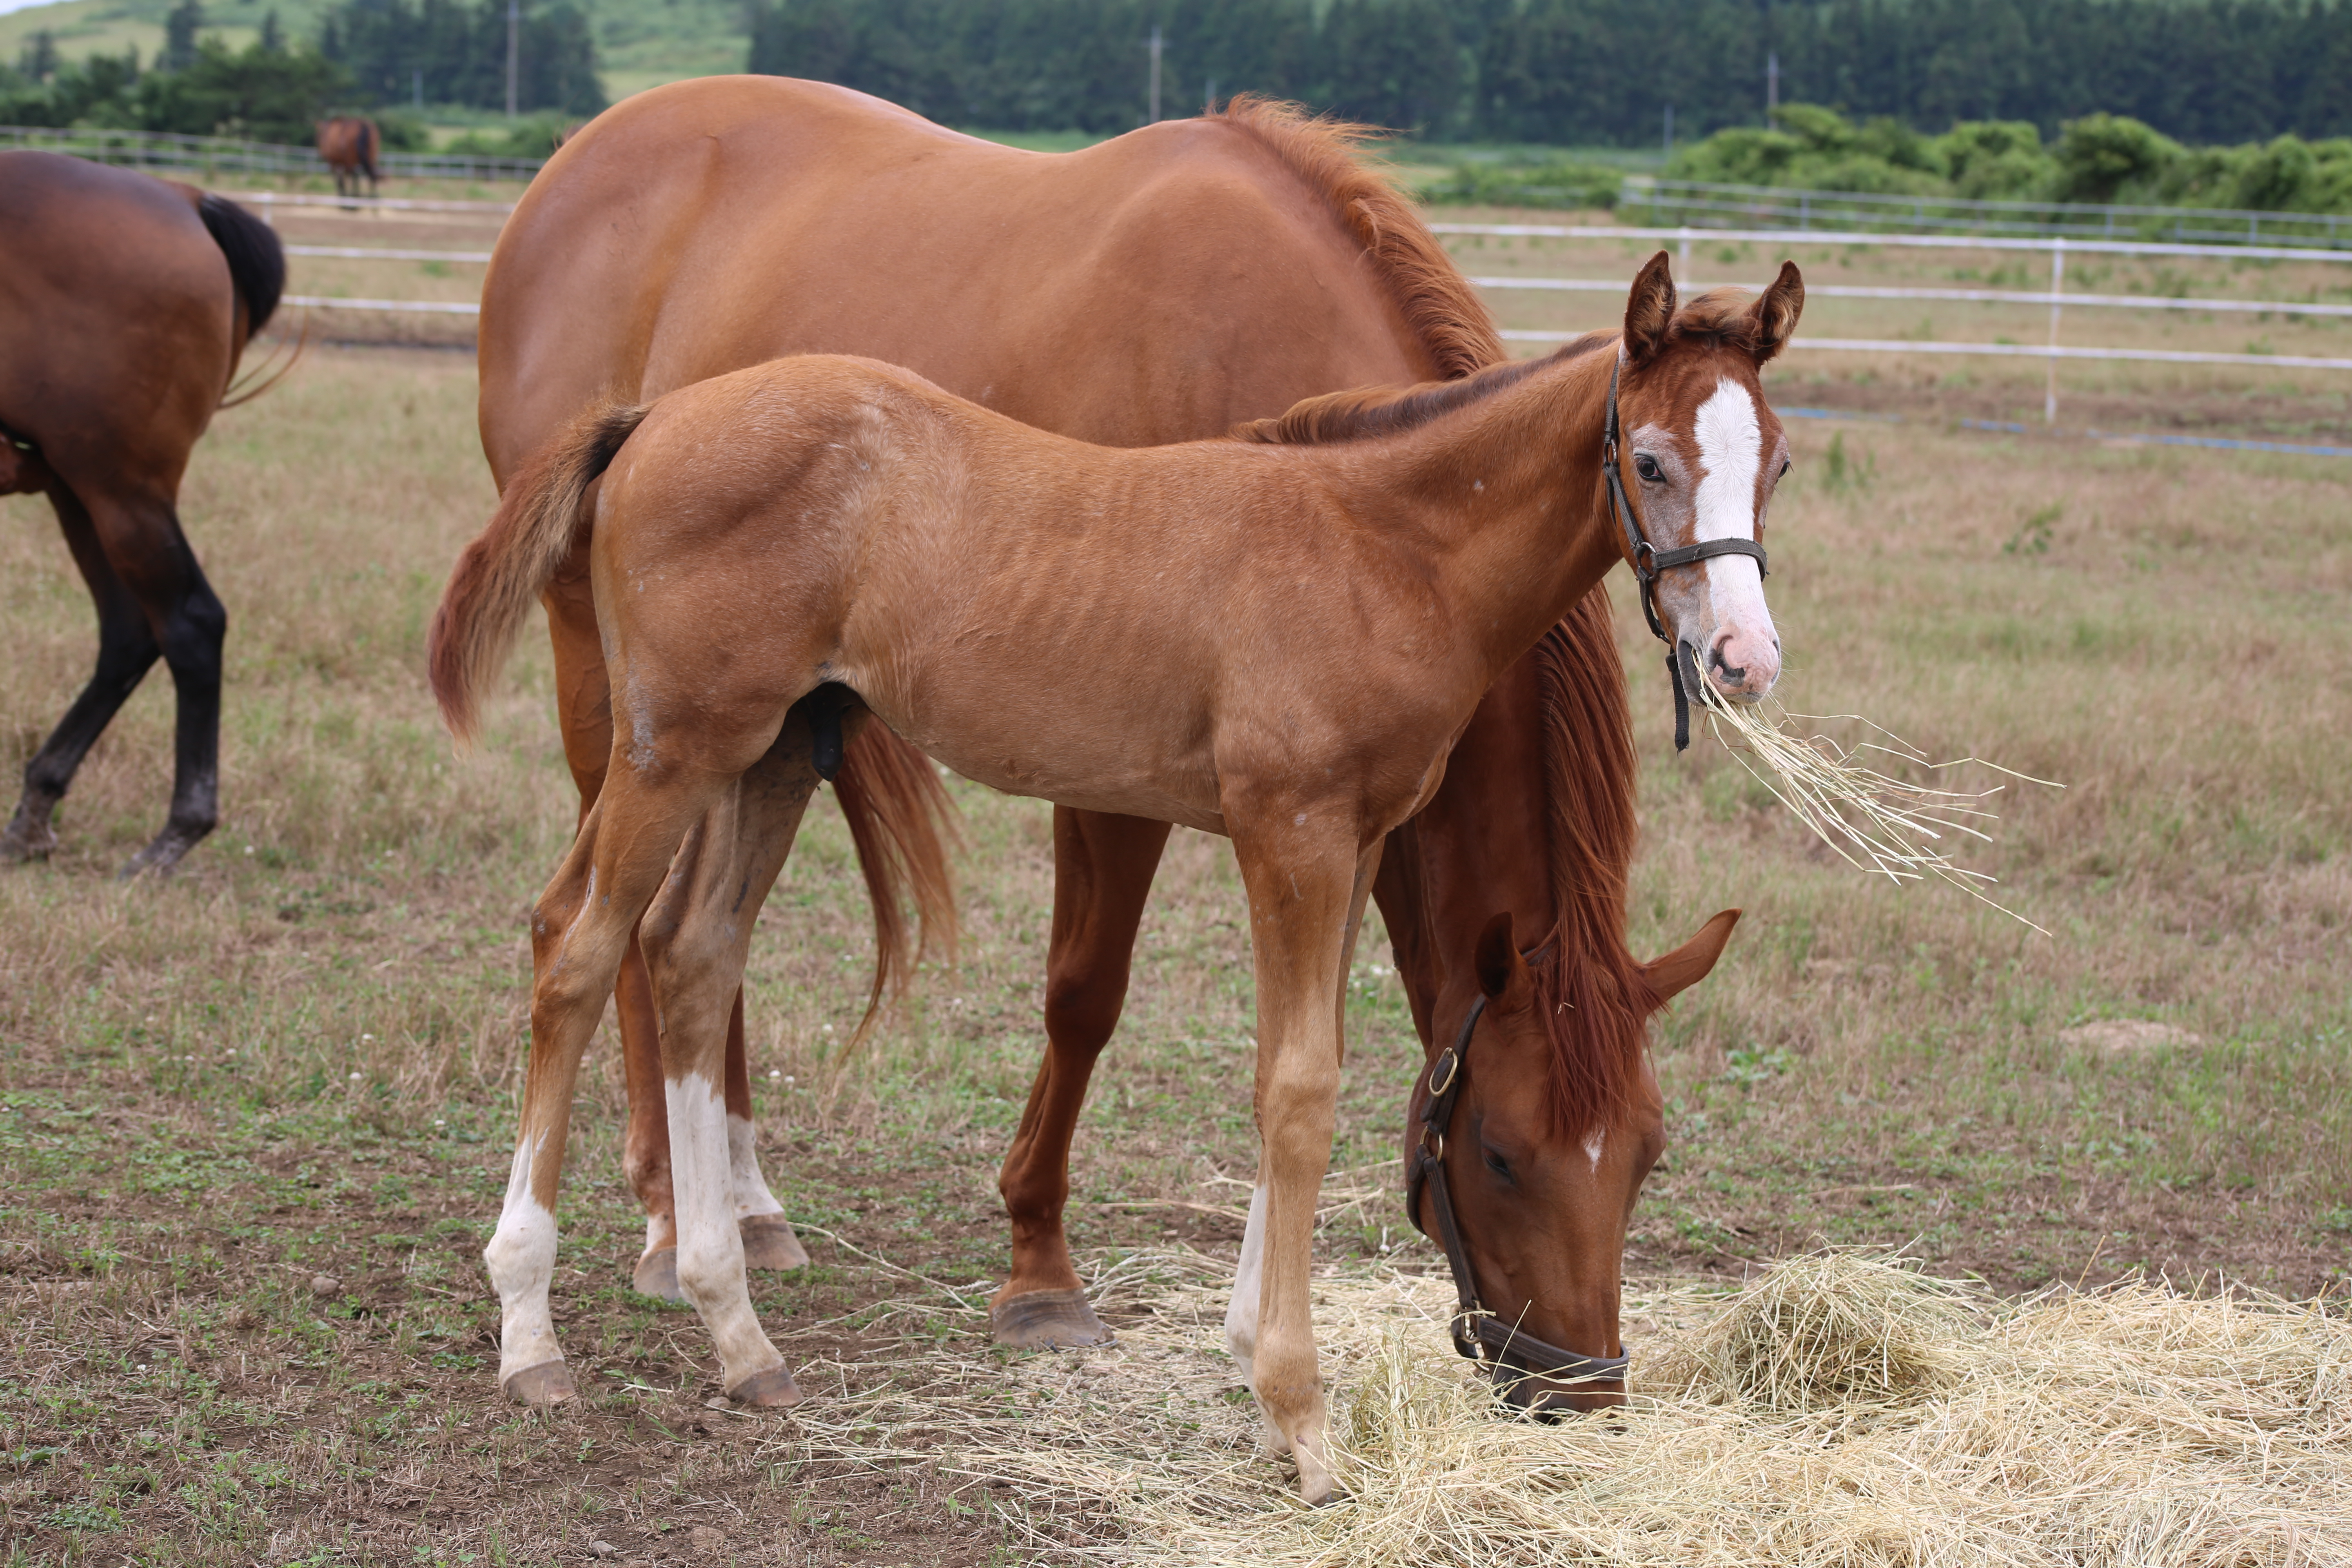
{"x":1453,"y":1062}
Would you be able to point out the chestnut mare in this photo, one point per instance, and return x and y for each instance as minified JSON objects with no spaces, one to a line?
{"x":349,"y":145}
{"x":1158,"y":288}
{"x":1275,"y":639}
{"x":125,"y":304}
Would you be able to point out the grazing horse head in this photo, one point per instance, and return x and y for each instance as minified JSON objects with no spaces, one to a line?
{"x":1698,"y":459}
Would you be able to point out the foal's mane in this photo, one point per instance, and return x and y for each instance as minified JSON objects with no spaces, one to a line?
{"x":1436,"y":301}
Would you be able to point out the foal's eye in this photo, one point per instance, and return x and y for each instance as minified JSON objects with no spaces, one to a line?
{"x":1784,"y":471}
{"x":1647,"y":466}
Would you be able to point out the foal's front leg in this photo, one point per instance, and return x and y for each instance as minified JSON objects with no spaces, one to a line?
{"x":1306,"y":882}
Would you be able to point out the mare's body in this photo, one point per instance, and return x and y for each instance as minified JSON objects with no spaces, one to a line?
{"x":1321,"y":615}
{"x":349,"y":145}
{"x":1158,"y":287}
{"x":125,"y":303}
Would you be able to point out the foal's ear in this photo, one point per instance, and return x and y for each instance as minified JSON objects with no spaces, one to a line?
{"x":1776,"y":312}
{"x":1648,"y":310}
{"x":1689,"y":964}
{"x":1498,"y":957}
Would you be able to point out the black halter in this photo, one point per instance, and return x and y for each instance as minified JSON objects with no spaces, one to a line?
{"x":1648,"y":562}
{"x":1509,"y":1354}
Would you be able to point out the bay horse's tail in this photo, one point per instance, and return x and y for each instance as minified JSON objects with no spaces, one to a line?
{"x":501,"y":573}
{"x":257,"y":262}
{"x":900,"y":819}
{"x":366,"y":149}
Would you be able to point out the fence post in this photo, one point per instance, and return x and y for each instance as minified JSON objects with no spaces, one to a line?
{"x":1686,"y":255}
{"x":2057,"y":287}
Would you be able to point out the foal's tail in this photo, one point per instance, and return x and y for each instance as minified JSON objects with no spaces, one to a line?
{"x":508,"y":566}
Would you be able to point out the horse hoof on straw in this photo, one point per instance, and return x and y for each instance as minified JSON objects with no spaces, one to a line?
{"x":771,"y":1390}
{"x":549,"y":1382}
{"x":656,"y":1275}
{"x":768,"y":1243}
{"x":1046,"y":1320}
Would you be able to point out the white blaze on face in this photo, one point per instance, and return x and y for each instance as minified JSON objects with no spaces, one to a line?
{"x":1594,"y":1146}
{"x":1731,"y":451}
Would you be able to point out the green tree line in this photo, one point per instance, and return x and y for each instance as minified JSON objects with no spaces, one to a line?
{"x":369,"y":54}
{"x":1590,"y":71}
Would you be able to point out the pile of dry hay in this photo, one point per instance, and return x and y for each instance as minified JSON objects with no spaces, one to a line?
{"x":1841,"y":1409}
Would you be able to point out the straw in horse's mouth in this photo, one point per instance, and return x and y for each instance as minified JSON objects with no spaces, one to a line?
{"x":1873,"y":821}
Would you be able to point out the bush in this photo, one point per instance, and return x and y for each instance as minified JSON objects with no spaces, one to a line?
{"x":2111,"y":158}
{"x":1555,"y":183}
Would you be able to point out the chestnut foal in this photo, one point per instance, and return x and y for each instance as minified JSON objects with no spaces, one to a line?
{"x":1276,"y":641}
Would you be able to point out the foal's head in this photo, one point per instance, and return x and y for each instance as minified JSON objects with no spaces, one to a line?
{"x":1699,"y":455}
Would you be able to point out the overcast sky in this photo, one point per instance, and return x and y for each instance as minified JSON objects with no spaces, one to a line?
{"x":8,"y":5}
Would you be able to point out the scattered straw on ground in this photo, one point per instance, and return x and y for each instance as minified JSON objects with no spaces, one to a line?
{"x":1840,"y":1409}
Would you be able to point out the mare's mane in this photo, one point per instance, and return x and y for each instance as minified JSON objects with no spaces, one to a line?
{"x":1589,"y":992}
{"x":1327,"y":155}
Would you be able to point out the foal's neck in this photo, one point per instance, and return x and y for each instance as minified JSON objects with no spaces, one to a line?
{"x":1508,"y":490}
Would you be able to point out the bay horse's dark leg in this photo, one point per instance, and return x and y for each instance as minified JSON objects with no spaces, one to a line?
{"x":145,"y":547}
{"x":126,"y":649}
{"x":1103,"y":867}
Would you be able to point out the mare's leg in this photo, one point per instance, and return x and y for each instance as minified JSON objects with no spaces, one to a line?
{"x":126,"y":649}
{"x":696,"y":937}
{"x":580,"y":930}
{"x":1307,"y":897}
{"x":1103,"y":867}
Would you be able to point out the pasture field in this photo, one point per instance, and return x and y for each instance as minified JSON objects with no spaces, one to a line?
{"x":254,"y":1121}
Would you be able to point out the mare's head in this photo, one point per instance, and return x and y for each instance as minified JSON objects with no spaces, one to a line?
{"x":1542,"y":1170}
{"x":1698,"y":457}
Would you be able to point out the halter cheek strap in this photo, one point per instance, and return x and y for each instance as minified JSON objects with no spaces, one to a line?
{"x":1478,"y":1333}
{"x":1648,"y":562}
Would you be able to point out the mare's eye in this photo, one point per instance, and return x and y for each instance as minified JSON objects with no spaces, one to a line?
{"x":1647,"y":466}
{"x":1784,"y":469}
{"x":1497,"y":1164}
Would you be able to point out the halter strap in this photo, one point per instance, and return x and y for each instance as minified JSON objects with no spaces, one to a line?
{"x":1649,"y":561}
{"x":1478,"y":1333}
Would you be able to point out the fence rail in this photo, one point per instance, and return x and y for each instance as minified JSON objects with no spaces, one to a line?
{"x":1704,"y":204}
{"x":167,"y":149}
{"x":1977,"y":296}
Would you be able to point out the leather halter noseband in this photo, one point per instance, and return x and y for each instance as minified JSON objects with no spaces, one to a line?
{"x":1649,"y":561}
{"x":1478,"y":1333}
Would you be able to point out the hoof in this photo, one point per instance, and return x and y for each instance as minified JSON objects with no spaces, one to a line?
{"x":656,"y":1275}
{"x":549,"y":1382}
{"x":1046,"y":1320}
{"x":22,"y":845}
{"x":768,"y":1243}
{"x":771,"y":1390}
{"x":158,"y":858}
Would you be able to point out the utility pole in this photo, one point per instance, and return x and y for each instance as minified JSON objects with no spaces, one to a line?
{"x":1670,"y":131}
{"x":1155,"y":73}
{"x":416,"y":88}
{"x":1772,"y":85}
{"x":514,"y":52}
{"x":1208,"y":104}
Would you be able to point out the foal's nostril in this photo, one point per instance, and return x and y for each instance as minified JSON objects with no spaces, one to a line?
{"x":1730,"y":676}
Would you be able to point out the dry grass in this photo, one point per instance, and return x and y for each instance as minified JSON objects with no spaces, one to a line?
{"x":1844,"y":1408}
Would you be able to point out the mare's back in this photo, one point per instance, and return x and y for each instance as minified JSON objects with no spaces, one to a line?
{"x":1159,"y":286}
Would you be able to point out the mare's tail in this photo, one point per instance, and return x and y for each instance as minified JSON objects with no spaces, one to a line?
{"x":257,"y":262}
{"x":506,"y":568}
{"x":367,"y":149}
{"x":902,"y":823}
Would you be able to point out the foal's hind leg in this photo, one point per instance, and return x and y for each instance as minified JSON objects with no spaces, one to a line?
{"x":1103,"y":867}
{"x":696,"y":937}
{"x":126,"y":650}
{"x":579,"y":930}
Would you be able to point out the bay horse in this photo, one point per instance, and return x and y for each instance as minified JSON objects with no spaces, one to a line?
{"x":1278,"y":639}
{"x":125,"y":304}
{"x":1162,"y":287}
{"x":349,"y":145}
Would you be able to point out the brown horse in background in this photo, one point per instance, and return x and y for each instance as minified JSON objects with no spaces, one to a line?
{"x":1162,"y":287}
{"x":1278,"y":642}
{"x":349,"y":144}
{"x":125,"y":303}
